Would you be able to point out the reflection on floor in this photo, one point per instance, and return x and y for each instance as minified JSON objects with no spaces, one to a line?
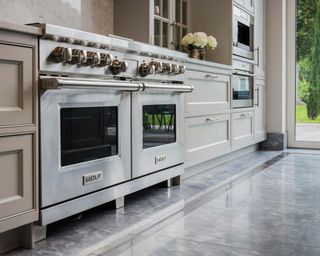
{"x":212,"y":213}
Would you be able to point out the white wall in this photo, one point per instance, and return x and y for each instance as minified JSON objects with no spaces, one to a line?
{"x":276,"y":66}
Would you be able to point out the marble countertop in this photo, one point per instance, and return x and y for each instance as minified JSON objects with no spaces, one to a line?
{"x":20,"y":28}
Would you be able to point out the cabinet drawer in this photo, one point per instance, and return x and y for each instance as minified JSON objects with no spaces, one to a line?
{"x":17,"y":84}
{"x":206,"y":138}
{"x":17,"y":175}
{"x":211,"y":94}
{"x":242,"y":129}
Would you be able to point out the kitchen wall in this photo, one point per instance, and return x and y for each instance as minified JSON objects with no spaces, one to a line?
{"x":276,"y":66}
{"x":90,"y":15}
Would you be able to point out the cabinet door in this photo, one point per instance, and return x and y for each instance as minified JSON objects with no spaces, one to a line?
{"x":242,"y":129}
{"x":211,"y":94}
{"x":17,"y":83}
{"x":206,"y":138}
{"x":259,"y":111}
{"x":259,"y":38}
{"x":17,"y":175}
{"x":247,"y":4}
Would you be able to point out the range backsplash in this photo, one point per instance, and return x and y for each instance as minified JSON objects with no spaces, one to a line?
{"x":90,"y":15}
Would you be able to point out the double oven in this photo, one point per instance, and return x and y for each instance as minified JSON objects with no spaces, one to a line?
{"x":243,"y":56}
{"x":107,"y":124}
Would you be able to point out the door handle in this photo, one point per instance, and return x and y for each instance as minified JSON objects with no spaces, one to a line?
{"x":258,"y":96}
{"x":258,"y":56}
{"x":212,"y":119}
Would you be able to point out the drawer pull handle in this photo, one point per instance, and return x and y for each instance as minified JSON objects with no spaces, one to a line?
{"x":212,"y":120}
{"x":209,"y":76}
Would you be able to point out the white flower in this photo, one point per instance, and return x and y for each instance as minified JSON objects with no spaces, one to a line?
{"x":212,"y":43}
{"x":200,"y":40}
{"x":187,"y":40}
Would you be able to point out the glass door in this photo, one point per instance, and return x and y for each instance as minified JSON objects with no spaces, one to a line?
{"x":162,"y":22}
{"x":304,"y":70}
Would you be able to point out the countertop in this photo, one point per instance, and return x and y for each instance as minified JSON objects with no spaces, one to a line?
{"x":20,"y":28}
{"x":208,"y":63}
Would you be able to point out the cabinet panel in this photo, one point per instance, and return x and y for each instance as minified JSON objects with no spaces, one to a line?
{"x":16,"y":71}
{"x":259,"y":38}
{"x":206,"y":138}
{"x":17,"y":175}
{"x":211,"y":94}
{"x":242,"y":129}
{"x":259,"y":111}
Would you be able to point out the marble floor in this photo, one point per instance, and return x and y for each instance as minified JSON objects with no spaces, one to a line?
{"x":273,"y":213}
{"x":264,"y":203}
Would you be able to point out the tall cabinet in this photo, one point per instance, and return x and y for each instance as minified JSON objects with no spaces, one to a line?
{"x":158,"y":22}
{"x":260,"y":71}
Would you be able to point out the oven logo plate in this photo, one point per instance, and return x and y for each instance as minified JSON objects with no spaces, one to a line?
{"x":92,"y":178}
{"x":160,"y":159}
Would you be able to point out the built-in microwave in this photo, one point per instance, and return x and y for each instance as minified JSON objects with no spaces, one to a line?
{"x":243,"y":29}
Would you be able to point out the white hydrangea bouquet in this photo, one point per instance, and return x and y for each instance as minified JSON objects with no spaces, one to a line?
{"x":197,"y":43}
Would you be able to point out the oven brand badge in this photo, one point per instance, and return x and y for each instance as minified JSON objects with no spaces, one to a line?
{"x":92,"y":178}
{"x":160,"y":159}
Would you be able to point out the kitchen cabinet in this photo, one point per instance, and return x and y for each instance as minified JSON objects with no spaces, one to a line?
{"x":18,"y":128}
{"x":260,"y":38}
{"x":211,"y":93}
{"x":259,"y":110}
{"x":207,"y":137}
{"x":159,"y":22}
{"x":246,"y":4}
{"x":242,"y":130}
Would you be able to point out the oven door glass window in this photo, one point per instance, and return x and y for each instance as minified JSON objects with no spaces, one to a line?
{"x":159,"y":125}
{"x":242,"y":89}
{"x":243,"y":36}
{"x":88,"y":133}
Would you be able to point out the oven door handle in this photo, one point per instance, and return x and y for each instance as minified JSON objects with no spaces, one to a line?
{"x":168,"y":87}
{"x":47,"y":83}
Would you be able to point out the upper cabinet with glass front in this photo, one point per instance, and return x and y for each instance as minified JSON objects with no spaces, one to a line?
{"x":159,"y":22}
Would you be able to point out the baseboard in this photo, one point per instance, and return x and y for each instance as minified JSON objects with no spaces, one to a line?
{"x":275,"y":141}
{"x":196,"y":169}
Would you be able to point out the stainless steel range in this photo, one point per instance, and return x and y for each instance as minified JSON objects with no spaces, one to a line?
{"x":111,"y":119}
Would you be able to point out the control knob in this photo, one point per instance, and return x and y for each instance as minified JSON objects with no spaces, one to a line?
{"x":61,"y":54}
{"x":182,"y":69}
{"x":118,"y":66}
{"x":158,"y":66}
{"x":93,"y":58}
{"x":146,"y":69}
{"x":175,"y":69}
{"x":168,"y":68}
{"x":79,"y":56}
{"x":105,"y":59}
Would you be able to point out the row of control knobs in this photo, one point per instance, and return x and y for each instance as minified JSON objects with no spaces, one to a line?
{"x":155,"y":67}
{"x":90,"y":58}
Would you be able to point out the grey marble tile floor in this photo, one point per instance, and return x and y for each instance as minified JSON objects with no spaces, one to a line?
{"x":264,"y":203}
{"x":273,"y":213}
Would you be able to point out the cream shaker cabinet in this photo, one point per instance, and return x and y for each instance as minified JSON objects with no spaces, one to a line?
{"x":259,"y":39}
{"x":242,"y":129}
{"x":207,"y":137}
{"x":18,"y":129}
{"x":159,"y":22}
{"x":211,"y":93}
{"x":259,"y":110}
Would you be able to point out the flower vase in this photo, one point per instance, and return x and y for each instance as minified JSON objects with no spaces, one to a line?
{"x":197,"y":53}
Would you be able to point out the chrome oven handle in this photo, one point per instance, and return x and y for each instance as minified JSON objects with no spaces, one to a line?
{"x":168,"y":87}
{"x":47,"y":83}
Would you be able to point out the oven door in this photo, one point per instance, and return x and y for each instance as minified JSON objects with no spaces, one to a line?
{"x":242,"y":91}
{"x":157,"y":129}
{"x":85,"y":139}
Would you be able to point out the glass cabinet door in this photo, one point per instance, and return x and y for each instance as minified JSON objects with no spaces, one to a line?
{"x":170,"y":22}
